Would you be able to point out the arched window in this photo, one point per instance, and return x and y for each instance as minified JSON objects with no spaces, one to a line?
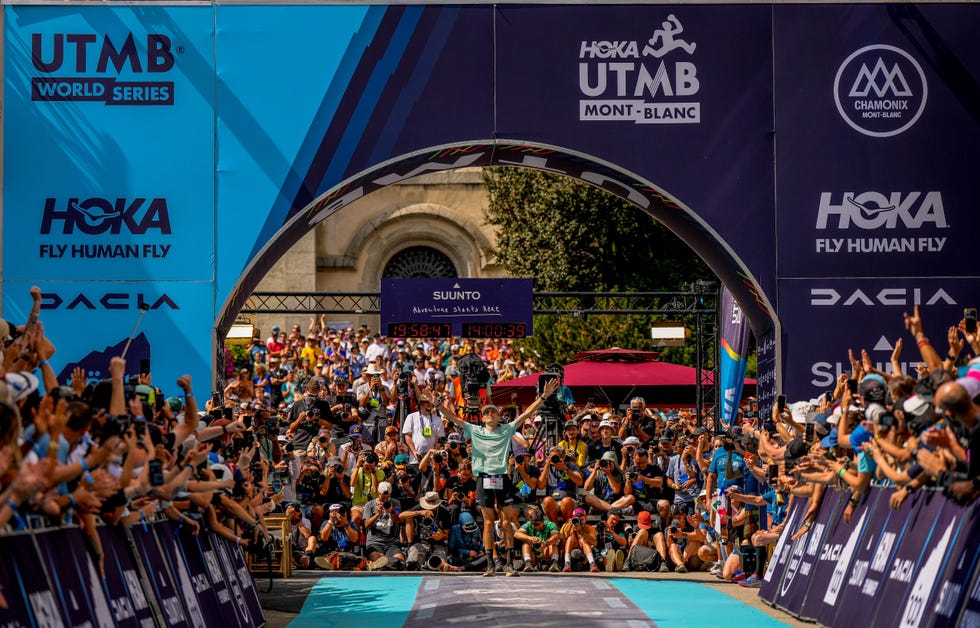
{"x":419,"y":262}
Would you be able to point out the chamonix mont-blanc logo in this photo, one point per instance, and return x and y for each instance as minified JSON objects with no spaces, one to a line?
{"x":644,"y":82}
{"x":880,"y":90}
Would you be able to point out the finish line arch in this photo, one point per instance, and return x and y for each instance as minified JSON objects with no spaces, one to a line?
{"x":162,"y":154}
{"x":684,"y":223}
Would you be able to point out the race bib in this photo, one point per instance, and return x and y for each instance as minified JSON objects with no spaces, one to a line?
{"x":427,"y":432}
{"x":493,"y":484}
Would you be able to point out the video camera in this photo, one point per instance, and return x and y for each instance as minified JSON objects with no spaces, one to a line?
{"x":552,"y":404}
{"x":473,"y":375}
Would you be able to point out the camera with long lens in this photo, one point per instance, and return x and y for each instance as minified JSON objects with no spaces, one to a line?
{"x":338,"y":469}
{"x":427,"y":522}
{"x":576,"y":521}
{"x":473,"y":376}
{"x":604,"y":464}
{"x":552,"y":404}
{"x":555,"y":459}
{"x":401,"y":384}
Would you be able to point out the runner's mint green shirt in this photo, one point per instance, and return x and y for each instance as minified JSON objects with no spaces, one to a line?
{"x":491,"y":448}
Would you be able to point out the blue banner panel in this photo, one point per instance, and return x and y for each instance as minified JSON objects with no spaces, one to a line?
{"x":127,"y":599}
{"x":862,"y":314}
{"x":473,"y":308}
{"x":734,"y":355}
{"x":74,"y":577}
{"x":109,"y":112}
{"x":90,"y":322}
{"x":781,"y":553}
{"x":878,"y":138}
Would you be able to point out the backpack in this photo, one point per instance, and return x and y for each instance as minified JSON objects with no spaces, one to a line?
{"x":644,"y":558}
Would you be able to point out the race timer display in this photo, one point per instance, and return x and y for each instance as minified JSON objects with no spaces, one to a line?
{"x":494,"y":330}
{"x":420,"y":330}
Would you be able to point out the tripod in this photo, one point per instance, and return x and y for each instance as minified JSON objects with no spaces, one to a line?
{"x":549,"y":433}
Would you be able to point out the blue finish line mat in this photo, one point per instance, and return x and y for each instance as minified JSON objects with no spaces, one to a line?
{"x":377,"y":602}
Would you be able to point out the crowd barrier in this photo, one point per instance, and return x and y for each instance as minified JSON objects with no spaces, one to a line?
{"x":156,"y":574}
{"x":910,"y":567}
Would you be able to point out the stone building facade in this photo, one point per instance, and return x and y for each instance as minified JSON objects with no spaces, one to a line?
{"x":431,"y":225}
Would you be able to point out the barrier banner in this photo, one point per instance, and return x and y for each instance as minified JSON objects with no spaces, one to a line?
{"x":923,"y":531}
{"x":836,"y":553}
{"x":806,"y":549}
{"x":229,"y":573}
{"x":970,"y":614}
{"x":858,"y":600}
{"x":127,"y":599}
{"x":936,"y":556}
{"x":777,"y":563}
{"x":74,"y":577}
{"x":216,"y":577}
{"x":954,"y":582}
{"x":191,"y":566}
{"x":182,"y":580}
{"x":19,"y":587}
{"x":161,"y":579}
{"x":244,"y":579}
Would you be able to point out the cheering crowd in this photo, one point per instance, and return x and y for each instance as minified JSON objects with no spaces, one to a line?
{"x":382,"y":458}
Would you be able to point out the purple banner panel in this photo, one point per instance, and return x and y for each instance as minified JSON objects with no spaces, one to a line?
{"x":216,"y":577}
{"x":970,"y":614}
{"x":940,"y":553}
{"x":182,"y":579}
{"x":192,"y":569}
{"x":924,"y":536}
{"x":20,"y":588}
{"x":127,"y":599}
{"x":74,"y":577}
{"x":862,"y":314}
{"x":780,"y":555}
{"x":245,"y":581}
{"x":161,"y":579}
{"x":862,"y":91}
{"x":473,"y":308}
{"x":806,"y":550}
{"x":230,"y":574}
{"x":954,"y":582}
{"x":858,"y":601}
{"x":839,"y":546}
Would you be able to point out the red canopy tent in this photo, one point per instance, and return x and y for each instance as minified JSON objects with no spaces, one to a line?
{"x":613,"y":377}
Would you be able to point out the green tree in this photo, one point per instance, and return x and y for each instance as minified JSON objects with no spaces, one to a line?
{"x":570,"y":236}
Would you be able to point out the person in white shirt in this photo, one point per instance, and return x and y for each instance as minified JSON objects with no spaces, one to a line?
{"x":422,"y":429}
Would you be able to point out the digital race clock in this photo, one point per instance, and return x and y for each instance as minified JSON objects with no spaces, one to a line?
{"x":420,"y":330}
{"x":494,"y":330}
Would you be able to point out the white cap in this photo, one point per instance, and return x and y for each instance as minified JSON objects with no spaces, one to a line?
{"x":384,"y":487}
{"x":632,"y":440}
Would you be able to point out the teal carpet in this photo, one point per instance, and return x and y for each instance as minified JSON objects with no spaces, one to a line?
{"x":674,"y":604}
{"x":383,"y":601}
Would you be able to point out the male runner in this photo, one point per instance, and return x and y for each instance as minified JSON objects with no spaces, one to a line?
{"x":494,"y":489}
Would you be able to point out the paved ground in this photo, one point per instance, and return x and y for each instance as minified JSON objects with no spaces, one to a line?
{"x":529,"y":600}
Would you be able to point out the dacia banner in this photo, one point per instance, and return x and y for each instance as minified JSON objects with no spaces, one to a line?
{"x":870,"y":316}
{"x":181,"y":150}
{"x":734,"y":356}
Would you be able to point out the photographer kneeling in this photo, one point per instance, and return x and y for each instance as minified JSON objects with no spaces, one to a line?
{"x":381,"y":520}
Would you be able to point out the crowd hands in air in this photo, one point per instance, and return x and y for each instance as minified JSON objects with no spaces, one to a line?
{"x":366,"y":445}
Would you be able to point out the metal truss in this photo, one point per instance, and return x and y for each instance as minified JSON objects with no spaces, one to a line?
{"x":700,"y":303}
